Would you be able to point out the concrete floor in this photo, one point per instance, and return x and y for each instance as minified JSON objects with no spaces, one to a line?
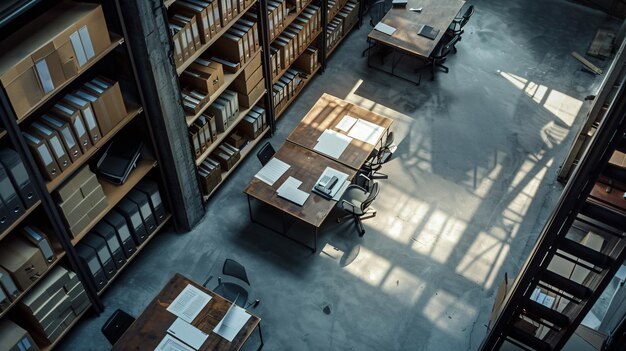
{"x":470,"y":187}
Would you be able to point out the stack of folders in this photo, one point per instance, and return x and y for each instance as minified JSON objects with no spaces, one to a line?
{"x":202,"y":133}
{"x":334,"y":31}
{"x":350,"y":15}
{"x":295,"y":5}
{"x":331,"y":184}
{"x":289,"y":191}
{"x":239,"y":43}
{"x":17,"y":193}
{"x":210,"y":173}
{"x":308,"y":61}
{"x":227,"y":155}
{"x":276,"y":13}
{"x":225,"y":109}
{"x":254,"y":123}
{"x":272,"y":171}
{"x":286,"y":88}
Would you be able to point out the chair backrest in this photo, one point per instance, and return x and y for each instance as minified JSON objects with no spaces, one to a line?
{"x":235,"y":269}
{"x":266,"y":153}
{"x":377,"y":11}
{"x":370,"y":197}
{"x":448,"y":46}
{"x":388,"y":141}
{"x":116,"y":325}
{"x":466,"y":16}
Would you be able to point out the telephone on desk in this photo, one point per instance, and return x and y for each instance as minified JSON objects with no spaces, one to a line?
{"x":325,"y":186}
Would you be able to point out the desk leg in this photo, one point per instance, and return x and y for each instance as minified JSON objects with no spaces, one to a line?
{"x":315,"y":246}
{"x":261,"y":337}
{"x":250,"y":209}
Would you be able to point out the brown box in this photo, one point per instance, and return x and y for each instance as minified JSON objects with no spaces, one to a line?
{"x":72,"y":185}
{"x":22,"y":260}
{"x":245,"y":86}
{"x":249,"y":99}
{"x":202,"y":81}
{"x":227,"y":156}
{"x":236,"y":140}
{"x":21,"y":84}
{"x":14,"y":338}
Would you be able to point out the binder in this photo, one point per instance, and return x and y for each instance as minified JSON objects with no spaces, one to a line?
{"x":88,"y":115}
{"x":8,"y":194}
{"x":104,"y":116}
{"x":231,"y":96}
{"x":191,"y":22}
{"x":203,"y":124}
{"x":229,"y":47}
{"x":88,"y":258}
{"x":195,"y":142}
{"x":255,"y":32}
{"x":71,"y":110}
{"x":151,"y":189}
{"x":242,"y":35}
{"x":7,"y":283}
{"x":5,"y":217}
{"x":130,"y":211}
{"x":190,"y":9}
{"x":55,"y":143}
{"x":40,"y":150}
{"x":65,"y":132}
{"x":107,"y":233}
{"x":178,"y":45}
{"x":19,"y":177}
{"x":4,"y":300}
{"x":145,"y":210}
{"x":38,"y":238}
{"x":221,"y":118}
{"x":99,"y":245}
{"x":116,"y":221}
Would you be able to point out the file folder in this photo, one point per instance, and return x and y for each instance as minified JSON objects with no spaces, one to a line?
{"x":116,"y":221}
{"x":88,"y":258}
{"x":43,"y":156}
{"x":90,"y":117}
{"x":130,"y":211}
{"x":19,"y":177}
{"x":142,"y":202}
{"x":99,"y":245}
{"x":55,"y":143}
{"x":107,"y":233}
{"x":72,"y":111}
{"x":65,"y":132}
{"x":38,"y":238}
{"x":9,"y":196}
{"x":151,"y":189}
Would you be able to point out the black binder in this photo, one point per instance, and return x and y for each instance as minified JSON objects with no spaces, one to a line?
{"x":7,"y":283}
{"x":106,"y":232}
{"x":145,"y":210}
{"x":119,"y":159}
{"x":9,"y":196}
{"x":5,"y":217}
{"x":118,"y":223}
{"x":17,"y":173}
{"x":130,"y":211}
{"x":102,"y":250}
{"x":150,"y":188}
{"x":89,"y":259}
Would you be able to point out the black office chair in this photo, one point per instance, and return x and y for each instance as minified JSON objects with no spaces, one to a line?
{"x":356,"y":201}
{"x":233,"y":291}
{"x":456,"y":27}
{"x":440,"y":54}
{"x":266,"y":153}
{"x":116,"y":325}
{"x":378,"y":158}
{"x":376,"y":11}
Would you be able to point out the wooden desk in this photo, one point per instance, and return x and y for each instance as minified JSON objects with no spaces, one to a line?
{"x":435,"y":13}
{"x":306,"y":166}
{"x":325,"y":114}
{"x":151,"y":326}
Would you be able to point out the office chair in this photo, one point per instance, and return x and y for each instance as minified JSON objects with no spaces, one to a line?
{"x":440,"y":54}
{"x":456,"y":27}
{"x":376,"y":11}
{"x":116,"y":325}
{"x":378,"y":158}
{"x":233,"y":291}
{"x":356,"y":201}
{"x":266,"y":153}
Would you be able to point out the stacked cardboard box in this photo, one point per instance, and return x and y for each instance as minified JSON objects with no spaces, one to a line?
{"x":54,"y":303}
{"x":24,"y":262}
{"x":250,"y":83}
{"x":51,"y":49}
{"x":210,"y":174}
{"x":200,"y":81}
{"x":239,"y":44}
{"x":254,"y":123}
{"x":14,"y":338}
{"x":286,"y":88}
{"x":277,"y":12}
{"x":81,"y":199}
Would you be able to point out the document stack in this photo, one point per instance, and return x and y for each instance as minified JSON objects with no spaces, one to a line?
{"x":81,"y":199}
{"x":250,"y":84}
{"x":254,"y":123}
{"x":16,"y":190}
{"x":69,"y":36}
{"x":286,"y":88}
{"x":277,"y":12}
{"x":225,"y":109}
{"x":239,"y":44}
{"x":210,"y":173}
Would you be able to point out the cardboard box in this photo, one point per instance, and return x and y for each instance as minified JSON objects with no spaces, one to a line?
{"x":227,"y":156}
{"x":22,"y":260}
{"x":14,"y":338}
{"x":37,"y":297}
{"x":245,"y":86}
{"x":72,"y":185}
{"x":249,"y":99}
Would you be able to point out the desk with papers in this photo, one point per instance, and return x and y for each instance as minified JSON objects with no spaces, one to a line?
{"x":335,"y":138}
{"x":185,"y":316}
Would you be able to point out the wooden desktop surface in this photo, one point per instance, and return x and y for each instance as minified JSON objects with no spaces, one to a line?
{"x":325,"y":114}
{"x":150,"y":328}
{"x":306,"y":166}
{"x":435,"y":13}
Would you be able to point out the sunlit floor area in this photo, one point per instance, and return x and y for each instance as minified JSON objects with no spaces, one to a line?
{"x":470,"y":186}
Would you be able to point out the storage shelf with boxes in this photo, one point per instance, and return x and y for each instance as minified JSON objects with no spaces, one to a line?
{"x":284,"y":104}
{"x":341,"y":23}
{"x":281,"y":14}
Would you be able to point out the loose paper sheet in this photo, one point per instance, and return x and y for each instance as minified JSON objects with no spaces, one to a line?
{"x":231,"y":324}
{"x":384,"y":28}
{"x":332,"y":143}
{"x":346,"y":123}
{"x":289,"y":190}
{"x":188,"y":304}
{"x":272,"y":170}
{"x":366,"y":131}
{"x":187,"y":333}
{"x":170,"y":343}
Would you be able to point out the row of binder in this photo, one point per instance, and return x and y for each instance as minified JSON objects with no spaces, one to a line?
{"x":74,"y":124}
{"x":277,"y":12}
{"x":225,"y":109}
{"x":202,"y":133}
{"x":210,"y":175}
{"x":334,"y":32}
{"x":115,"y":238}
{"x":338,"y":27}
{"x":334,"y":6}
{"x":295,"y":38}
{"x":239,"y":43}
{"x":17,"y":193}
{"x":307,"y":62}
{"x":287,"y":87}
{"x":254,"y":123}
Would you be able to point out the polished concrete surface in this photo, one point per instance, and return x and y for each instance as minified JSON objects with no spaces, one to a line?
{"x":470,"y":187}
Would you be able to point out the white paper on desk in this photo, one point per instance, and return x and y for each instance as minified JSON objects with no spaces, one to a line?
{"x":272,"y":170}
{"x":170,"y":343}
{"x":366,"y":131}
{"x":346,"y":123}
{"x":385,"y":28}
{"x":332,"y":143}
{"x":289,"y":190}
{"x":231,"y":324}
{"x":188,"y":304}
{"x":187,"y":333}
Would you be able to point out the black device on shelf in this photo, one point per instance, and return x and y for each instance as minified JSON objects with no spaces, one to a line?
{"x":119,"y":158}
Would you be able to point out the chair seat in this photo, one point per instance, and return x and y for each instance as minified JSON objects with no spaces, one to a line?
{"x":232,"y":291}
{"x":354,"y":195}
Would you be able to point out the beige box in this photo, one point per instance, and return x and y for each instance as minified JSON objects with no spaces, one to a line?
{"x":65,"y":191}
{"x":11,"y":335}
{"x":22,"y":260}
{"x":245,"y":86}
{"x":249,"y":99}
